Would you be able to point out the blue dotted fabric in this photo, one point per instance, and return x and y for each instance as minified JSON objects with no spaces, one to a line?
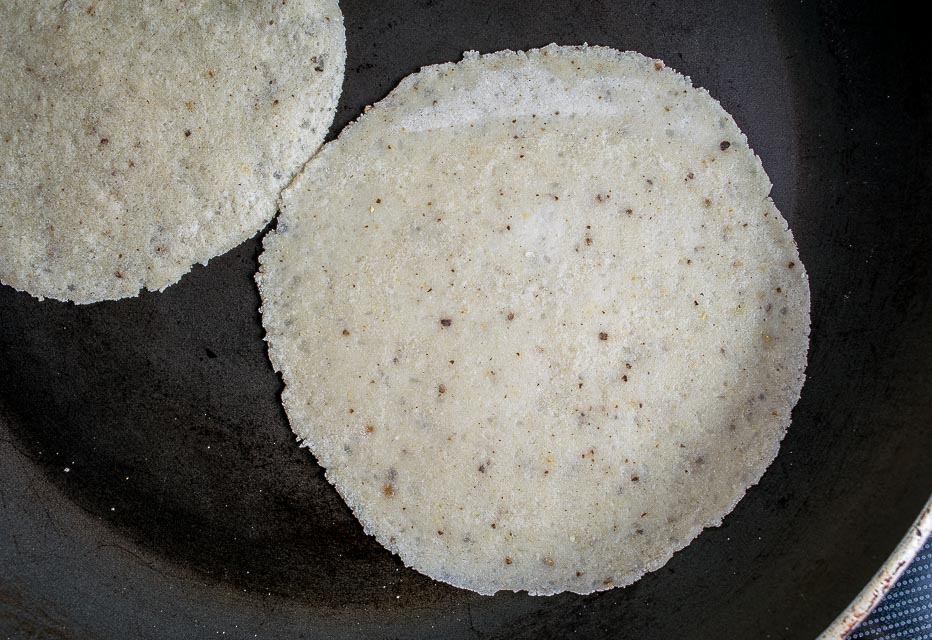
{"x":906,"y":612}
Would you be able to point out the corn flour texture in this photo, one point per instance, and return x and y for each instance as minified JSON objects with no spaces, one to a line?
{"x":538,"y":318}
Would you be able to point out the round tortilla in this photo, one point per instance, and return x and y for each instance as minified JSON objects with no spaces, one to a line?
{"x":140,"y":138}
{"x":538,"y":318}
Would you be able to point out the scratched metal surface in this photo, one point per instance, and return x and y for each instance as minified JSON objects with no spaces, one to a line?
{"x":150,"y":486}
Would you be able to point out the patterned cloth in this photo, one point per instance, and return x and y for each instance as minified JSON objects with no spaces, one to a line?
{"x":906,"y":612}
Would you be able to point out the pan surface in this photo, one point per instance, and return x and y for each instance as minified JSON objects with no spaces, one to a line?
{"x":150,"y":486}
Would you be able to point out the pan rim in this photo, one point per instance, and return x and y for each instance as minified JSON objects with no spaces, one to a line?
{"x":885,"y":578}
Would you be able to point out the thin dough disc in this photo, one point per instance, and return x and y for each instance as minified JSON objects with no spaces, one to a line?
{"x":538,"y":318}
{"x":140,"y":138}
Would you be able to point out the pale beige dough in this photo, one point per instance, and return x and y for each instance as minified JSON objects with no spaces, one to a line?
{"x":140,"y":138}
{"x":538,"y":318}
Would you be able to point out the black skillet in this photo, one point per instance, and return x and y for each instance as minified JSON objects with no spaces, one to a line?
{"x":150,"y":486}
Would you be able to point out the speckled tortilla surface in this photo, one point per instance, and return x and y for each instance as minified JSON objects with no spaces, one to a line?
{"x":140,"y":138}
{"x":538,"y":318}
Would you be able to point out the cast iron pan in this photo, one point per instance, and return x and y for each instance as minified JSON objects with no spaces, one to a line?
{"x":150,"y":486}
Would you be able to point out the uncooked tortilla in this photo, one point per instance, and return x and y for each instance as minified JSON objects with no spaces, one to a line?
{"x":538,"y":318}
{"x":140,"y":138}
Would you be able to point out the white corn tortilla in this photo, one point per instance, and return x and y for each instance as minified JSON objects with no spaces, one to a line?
{"x":140,"y":138}
{"x":538,"y":318}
